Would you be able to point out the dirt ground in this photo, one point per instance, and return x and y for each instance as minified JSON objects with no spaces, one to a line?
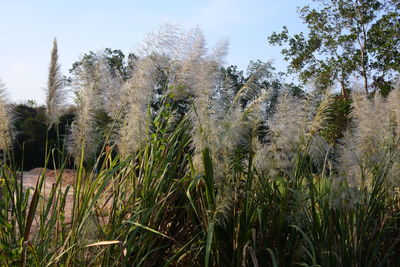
{"x":30,"y":179}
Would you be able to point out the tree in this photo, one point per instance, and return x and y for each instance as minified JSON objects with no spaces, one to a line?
{"x":115,"y":60}
{"x":30,"y":125}
{"x":29,"y":143}
{"x":235,"y":76}
{"x":348,"y":40}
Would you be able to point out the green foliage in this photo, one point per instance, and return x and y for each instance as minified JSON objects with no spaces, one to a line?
{"x":338,"y":121}
{"x":114,"y":58}
{"x":346,"y":40}
{"x":30,"y":142}
{"x":33,"y":136}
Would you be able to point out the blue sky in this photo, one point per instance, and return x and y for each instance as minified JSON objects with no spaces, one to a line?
{"x":27,"y":29}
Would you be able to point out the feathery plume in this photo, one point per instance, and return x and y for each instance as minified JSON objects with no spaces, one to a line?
{"x":163,"y":41}
{"x":5,"y":121}
{"x":153,"y":57}
{"x":236,"y":122}
{"x":109,"y":85}
{"x":373,"y":140}
{"x":55,"y":85}
{"x":200,"y":73}
{"x":292,"y":128}
{"x":88,"y":101}
{"x":288,"y":127}
{"x":139,"y":92}
{"x":192,"y":74}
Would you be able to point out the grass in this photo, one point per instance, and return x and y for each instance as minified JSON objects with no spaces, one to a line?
{"x":156,"y":208}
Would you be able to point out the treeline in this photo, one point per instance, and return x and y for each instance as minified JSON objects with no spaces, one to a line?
{"x":32,"y":136}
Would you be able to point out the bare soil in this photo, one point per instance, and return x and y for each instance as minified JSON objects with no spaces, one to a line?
{"x":30,"y":179}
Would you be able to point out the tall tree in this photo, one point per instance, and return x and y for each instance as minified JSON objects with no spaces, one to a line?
{"x":55,"y":85}
{"x":348,"y":40}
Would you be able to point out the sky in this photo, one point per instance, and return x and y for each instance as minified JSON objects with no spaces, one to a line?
{"x":27,"y":29}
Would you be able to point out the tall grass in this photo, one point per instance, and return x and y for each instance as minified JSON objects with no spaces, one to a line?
{"x":55,"y":87}
{"x":209,"y":188}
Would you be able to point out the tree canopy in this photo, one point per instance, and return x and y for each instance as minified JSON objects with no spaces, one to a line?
{"x":114,"y":58}
{"x":347,"y":41}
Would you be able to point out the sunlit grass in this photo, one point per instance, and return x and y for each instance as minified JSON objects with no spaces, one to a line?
{"x":155,"y":208}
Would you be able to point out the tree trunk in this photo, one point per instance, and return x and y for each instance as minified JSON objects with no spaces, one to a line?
{"x":344,"y":91}
{"x":364,"y":70}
